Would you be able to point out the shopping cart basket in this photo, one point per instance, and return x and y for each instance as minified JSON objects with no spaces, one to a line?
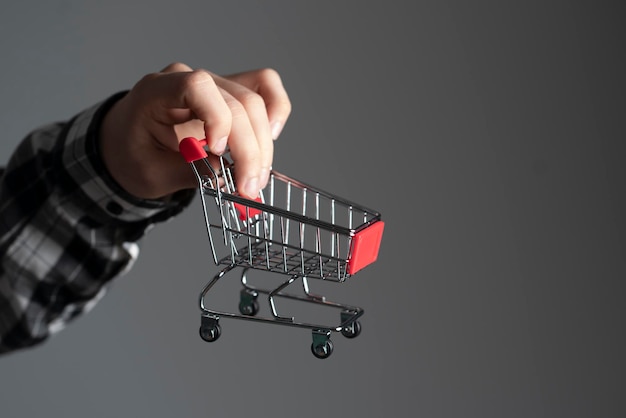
{"x":292,"y":229}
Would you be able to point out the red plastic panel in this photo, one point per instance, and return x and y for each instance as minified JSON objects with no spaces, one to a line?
{"x":192,"y":149}
{"x":365,"y":246}
{"x":241,"y":210}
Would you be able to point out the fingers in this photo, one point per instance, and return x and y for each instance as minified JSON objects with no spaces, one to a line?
{"x":250,"y":142}
{"x":268,"y":84}
{"x":174,"y":98}
{"x":243,"y":112}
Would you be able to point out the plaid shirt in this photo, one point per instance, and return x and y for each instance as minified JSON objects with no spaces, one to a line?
{"x":66,"y":228}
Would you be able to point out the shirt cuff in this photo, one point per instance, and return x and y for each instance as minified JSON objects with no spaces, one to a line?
{"x":82,"y":161}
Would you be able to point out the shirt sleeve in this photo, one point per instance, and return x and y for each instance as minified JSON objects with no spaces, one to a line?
{"x":66,"y":228}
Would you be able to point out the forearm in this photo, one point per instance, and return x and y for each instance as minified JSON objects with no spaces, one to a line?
{"x":66,"y":229}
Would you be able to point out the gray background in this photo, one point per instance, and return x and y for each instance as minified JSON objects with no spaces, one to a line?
{"x":489,"y":135}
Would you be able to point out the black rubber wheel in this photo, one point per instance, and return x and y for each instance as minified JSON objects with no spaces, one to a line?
{"x":210,"y":333}
{"x":322,"y":350}
{"x":351,"y":330}
{"x":249,"y":309}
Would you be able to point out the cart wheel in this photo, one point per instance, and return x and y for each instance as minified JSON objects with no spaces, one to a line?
{"x":248,"y":304}
{"x":249,"y":308}
{"x":322,"y":350}
{"x":351,"y":330}
{"x":210,"y":333}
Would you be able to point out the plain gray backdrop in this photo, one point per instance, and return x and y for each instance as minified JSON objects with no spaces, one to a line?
{"x":488,"y":134}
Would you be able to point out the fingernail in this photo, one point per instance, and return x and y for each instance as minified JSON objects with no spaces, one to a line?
{"x":277,"y":128}
{"x":251,"y":187}
{"x":220,"y":146}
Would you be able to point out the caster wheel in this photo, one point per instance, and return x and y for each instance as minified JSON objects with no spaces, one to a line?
{"x":249,"y":308}
{"x":210,"y":333}
{"x":351,"y":330}
{"x":322,"y":350}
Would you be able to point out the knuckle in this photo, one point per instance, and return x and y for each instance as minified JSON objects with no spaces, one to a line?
{"x":198,"y":79}
{"x":177,"y":66}
{"x":251,"y":100}
{"x":269,"y":75}
{"x":285,"y":105}
{"x":147,"y":79}
{"x":237,"y":109}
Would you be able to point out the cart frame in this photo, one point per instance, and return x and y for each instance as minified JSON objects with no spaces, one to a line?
{"x":278,"y":233}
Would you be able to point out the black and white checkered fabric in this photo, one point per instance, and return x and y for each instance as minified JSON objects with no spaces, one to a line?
{"x":66,"y":229}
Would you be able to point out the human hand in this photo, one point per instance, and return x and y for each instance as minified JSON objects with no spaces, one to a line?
{"x":242,"y":112}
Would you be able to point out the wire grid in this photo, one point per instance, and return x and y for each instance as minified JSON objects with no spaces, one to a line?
{"x":293,"y":229}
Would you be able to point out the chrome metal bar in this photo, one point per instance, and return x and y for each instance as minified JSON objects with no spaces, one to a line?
{"x":284,"y":240}
{"x":274,"y":293}
{"x":318,"y":236}
{"x":288,"y":209}
{"x":210,"y":284}
{"x":305,"y":286}
{"x":272,"y":205}
{"x":266,"y":240}
{"x":204,"y":211}
{"x":247,"y":224}
{"x":302,"y":225}
{"x":332,"y":220}
{"x":350,"y":217}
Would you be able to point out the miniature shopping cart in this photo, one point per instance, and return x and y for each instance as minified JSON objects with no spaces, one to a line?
{"x":293,"y":230}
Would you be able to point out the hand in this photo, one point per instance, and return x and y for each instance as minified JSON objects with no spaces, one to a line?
{"x":140,"y":134}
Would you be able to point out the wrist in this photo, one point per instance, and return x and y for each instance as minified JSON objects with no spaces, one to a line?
{"x":88,"y":180}
{"x":121,"y":156}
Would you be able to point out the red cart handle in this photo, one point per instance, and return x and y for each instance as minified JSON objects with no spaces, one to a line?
{"x":192,"y":149}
